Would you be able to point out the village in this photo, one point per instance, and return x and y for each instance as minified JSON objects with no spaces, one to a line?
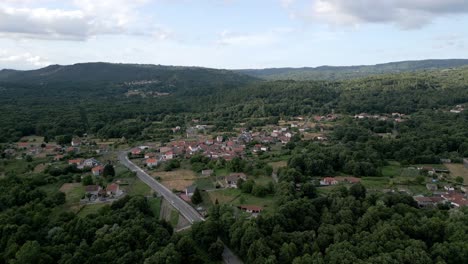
{"x":170,"y":163}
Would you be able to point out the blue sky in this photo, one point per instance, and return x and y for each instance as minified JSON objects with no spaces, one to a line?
{"x":230,"y":34}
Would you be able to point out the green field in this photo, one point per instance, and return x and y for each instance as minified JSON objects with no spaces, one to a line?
{"x":174,"y":218}
{"x":137,"y":187}
{"x":205,"y":183}
{"x":155,"y":205}
{"x":90,"y":209}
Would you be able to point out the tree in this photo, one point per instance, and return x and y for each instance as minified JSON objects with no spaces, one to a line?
{"x":108,"y":171}
{"x":196,"y":197}
{"x":87,"y":180}
{"x":216,"y":250}
{"x":30,"y":252}
{"x":459,"y":180}
{"x":358,"y":190}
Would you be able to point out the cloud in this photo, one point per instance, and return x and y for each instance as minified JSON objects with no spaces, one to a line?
{"x":403,"y":13}
{"x":228,"y":38}
{"x":23,"y":60}
{"x":82,"y":20}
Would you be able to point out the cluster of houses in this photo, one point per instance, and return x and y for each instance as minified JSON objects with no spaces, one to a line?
{"x":396,"y":117}
{"x":213,"y":148}
{"x":449,"y":196}
{"x":94,"y":192}
{"x":96,"y":167}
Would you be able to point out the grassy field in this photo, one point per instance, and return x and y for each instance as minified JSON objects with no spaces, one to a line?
{"x":137,"y":187}
{"x":278,"y":164}
{"x":392,"y":169}
{"x":205,"y":183}
{"x":375,"y":183}
{"x":224,"y":196}
{"x":174,"y":218}
{"x":177,"y":179}
{"x":155,"y":205}
{"x":457,"y":170}
{"x":90,"y":209}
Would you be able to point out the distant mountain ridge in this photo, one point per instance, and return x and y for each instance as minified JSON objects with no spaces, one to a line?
{"x":350,"y":72}
{"x":118,"y":73}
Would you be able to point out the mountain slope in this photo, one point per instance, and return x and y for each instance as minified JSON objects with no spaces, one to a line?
{"x":119,"y":73}
{"x":349,"y":72}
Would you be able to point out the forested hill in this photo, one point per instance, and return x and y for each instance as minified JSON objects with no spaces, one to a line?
{"x":350,"y":72}
{"x":118,"y":73}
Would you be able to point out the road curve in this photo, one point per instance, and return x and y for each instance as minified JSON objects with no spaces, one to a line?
{"x":184,"y":209}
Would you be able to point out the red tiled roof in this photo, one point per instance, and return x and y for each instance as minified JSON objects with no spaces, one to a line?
{"x":113,"y":187}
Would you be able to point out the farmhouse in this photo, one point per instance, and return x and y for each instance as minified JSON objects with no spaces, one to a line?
{"x":328,"y":181}
{"x":152,"y":162}
{"x":251,"y":209}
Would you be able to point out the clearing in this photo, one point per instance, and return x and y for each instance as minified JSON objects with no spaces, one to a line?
{"x":458,"y":170}
{"x":177,"y":179}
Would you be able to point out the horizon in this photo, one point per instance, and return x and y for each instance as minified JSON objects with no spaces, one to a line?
{"x":232,"y":69}
{"x":230,"y":34}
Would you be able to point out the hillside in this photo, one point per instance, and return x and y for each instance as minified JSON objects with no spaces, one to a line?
{"x":350,"y":72}
{"x":169,"y":78}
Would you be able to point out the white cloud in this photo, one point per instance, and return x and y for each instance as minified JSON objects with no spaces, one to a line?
{"x":82,"y":20}
{"x":406,"y":14}
{"x":258,"y":39}
{"x":23,"y":60}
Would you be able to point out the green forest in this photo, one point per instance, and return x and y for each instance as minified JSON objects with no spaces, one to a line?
{"x":307,"y":225}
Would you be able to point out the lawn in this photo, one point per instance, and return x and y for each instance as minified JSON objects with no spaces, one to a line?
{"x":205,"y":183}
{"x":177,"y":179}
{"x":224,"y":196}
{"x":392,"y":170}
{"x":138,"y":187}
{"x":375,"y":182}
{"x":155,"y":205}
{"x":73,"y":192}
{"x":174,"y":218}
{"x":90,"y":209}
{"x":458,"y":170}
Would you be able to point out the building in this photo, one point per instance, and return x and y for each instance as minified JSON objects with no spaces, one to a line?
{"x":152,"y":162}
{"x":233,"y":178}
{"x":77,"y":162}
{"x":92,"y":162}
{"x":169,"y":155}
{"x":328,"y":181}
{"x":76,"y":142}
{"x":251,"y":209}
{"x":98,"y":170}
{"x":150,"y":155}
{"x":113,"y":189}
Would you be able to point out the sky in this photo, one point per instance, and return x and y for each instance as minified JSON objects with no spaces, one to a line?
{"x":230,"y":34}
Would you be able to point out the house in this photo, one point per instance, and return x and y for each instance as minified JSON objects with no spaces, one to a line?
{"x":288,"y":134}
{"x":136,"y":151}
{"x":207,"y":172}
{"x":232,"y":179}
{"x":151,"y":162}
{"x":251,"y":209}
{"x":77,"y":162}
{"x":328,"y":181}
{"x":113,"y":189}
{"x":219,"y":138}
{"x":169,"y":155}
{"x":93,"y":190}
{"x":58,"y":157}
{"x":190,"y":190}
{"x":98,"y":170}
{"x":89,"y":163}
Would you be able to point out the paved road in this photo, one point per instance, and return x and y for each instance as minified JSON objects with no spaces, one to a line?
{"x":185,"y":209}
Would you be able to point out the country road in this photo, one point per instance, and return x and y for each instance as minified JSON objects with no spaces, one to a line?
{"x":184,"y":209}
